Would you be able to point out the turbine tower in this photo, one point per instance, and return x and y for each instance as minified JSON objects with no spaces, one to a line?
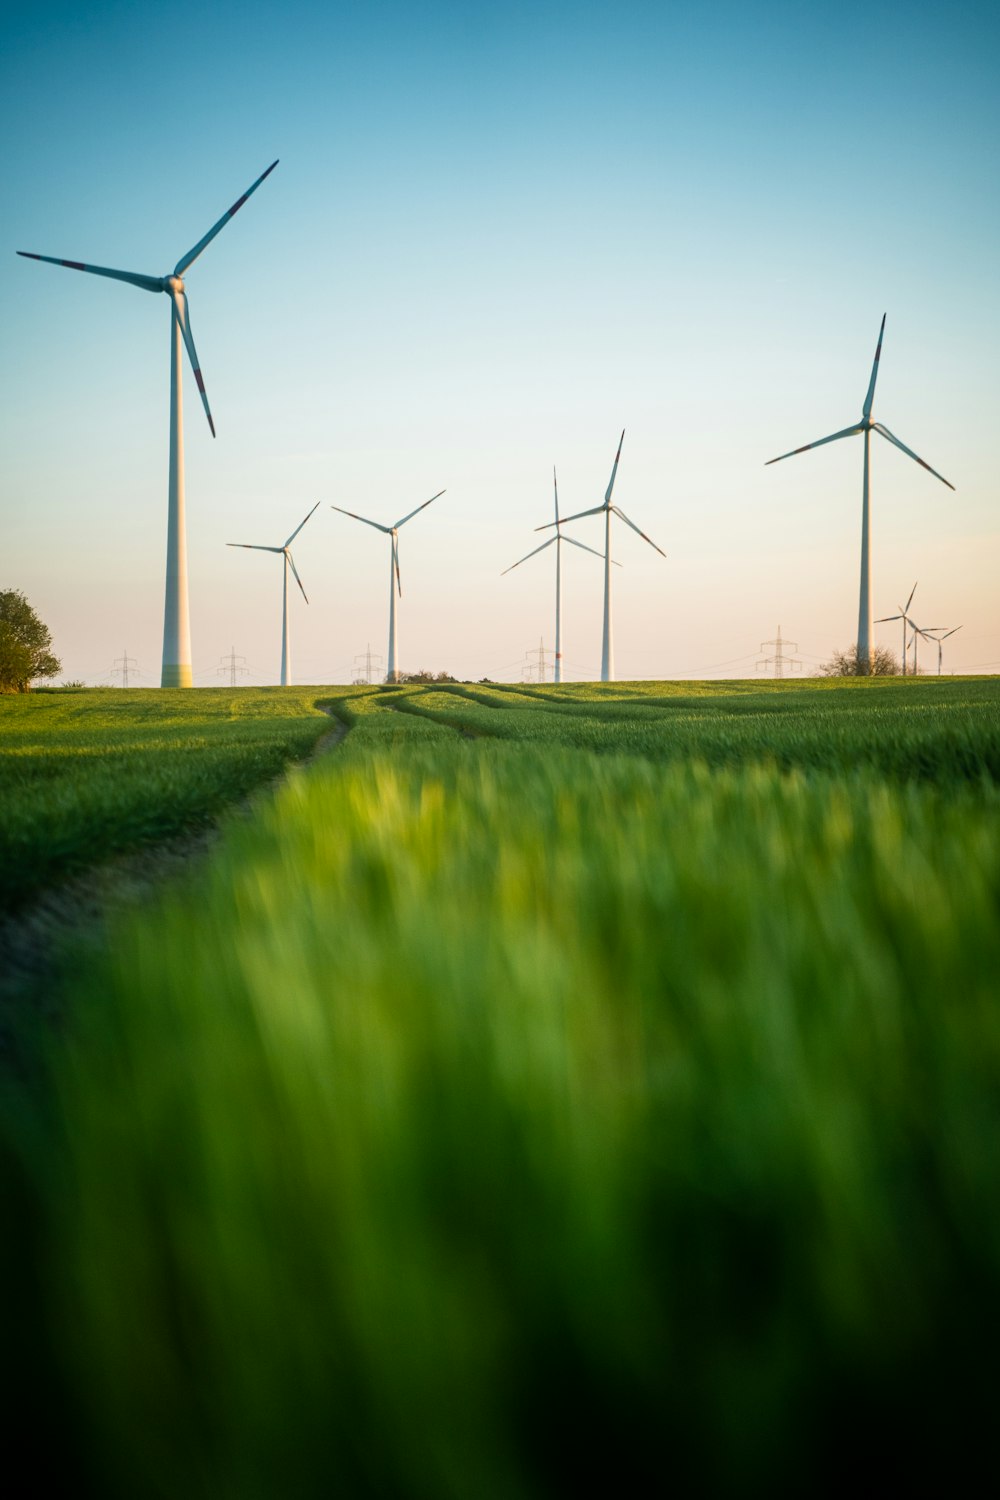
{"x":559,"y":538}
{"x":285,"y":551}
{"x":392,"y":675}
{"x":607,"y":647}
{"x":904,"y":616}
{"x":867,"y":426}
{"x":176,"y":671}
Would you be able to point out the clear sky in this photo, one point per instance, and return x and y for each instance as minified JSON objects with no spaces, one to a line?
{"x":496,"y":237}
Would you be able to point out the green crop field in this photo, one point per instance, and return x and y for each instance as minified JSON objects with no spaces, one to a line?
{"x":545,"y":1088}
{"x":85,"y":774}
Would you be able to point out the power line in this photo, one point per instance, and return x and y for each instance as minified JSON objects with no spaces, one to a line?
{"x":779,"y":661}
{"x":535,"y":663}
{"x":232,"y":664}
{"x":120,"y":668}
{"x":365,"y":663}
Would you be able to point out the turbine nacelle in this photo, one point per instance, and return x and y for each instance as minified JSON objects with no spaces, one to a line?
{"x":173,"y":284}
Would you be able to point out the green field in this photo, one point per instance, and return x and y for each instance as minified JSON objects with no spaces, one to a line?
{"x":85,"y":774}
{"x":546,"y":1087}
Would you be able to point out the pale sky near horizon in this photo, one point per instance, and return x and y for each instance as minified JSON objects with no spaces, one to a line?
{"x":495,"y":238}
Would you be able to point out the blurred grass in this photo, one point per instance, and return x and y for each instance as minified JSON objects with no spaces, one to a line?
{"x":85,"y":774}
{"x":500,"y":1119}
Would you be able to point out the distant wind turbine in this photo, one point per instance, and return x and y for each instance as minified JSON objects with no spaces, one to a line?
{"x":867,"y":426}
{"x":176,"y":670}
{"x":607,"y":647}
{"x":392,"y":675}
{"x":929,"y":633}
{"x":887,"y":619}
{"x":288,"y":562}
{"x":938,"y":638}
{"x":556,"y":540}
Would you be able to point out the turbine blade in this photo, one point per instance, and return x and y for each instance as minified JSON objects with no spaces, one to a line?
{"x":183,"y":316}
{"x":598,"y":510}
{"x":555,"y":486}
{"x":614,"y":471}
{"x":624,"y":517}
{"x":291,"y":564}
{"x":909,"y":451}
{"x":886,"y":619}
{"x":356,"y":517}
{"x":255,"y":547}
{"x":419,"y":509}
{"x":833,"y":438}
{"x":910,"y":600}
{"x":867,"y":408}
{"x":584,"y":548}
{"x":148,"y":283}
{"x":395,"y":560}
{"x":301,"y":524}
{"x":950,"y":632}
{"x":531,"y":554}
{"x":192,"y":255}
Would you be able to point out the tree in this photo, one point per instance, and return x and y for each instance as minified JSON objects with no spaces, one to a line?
{"x":24,"y":645}
{"x":845,"y":663}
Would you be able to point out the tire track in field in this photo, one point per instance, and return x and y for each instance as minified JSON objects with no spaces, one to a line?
{"x":67,"y":922}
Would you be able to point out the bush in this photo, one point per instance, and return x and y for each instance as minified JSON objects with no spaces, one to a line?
{"x":845,"y":663}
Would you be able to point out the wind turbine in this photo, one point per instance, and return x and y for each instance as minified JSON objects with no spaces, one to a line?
{"x":607,"y":647}
{"x":559,"y":537}
{"x":392,"y":675}
{"x":286,"y":654}
{"x":929,"y":633}
{"x":938,"y":638}
{"x":867,"y":426}
{"x":887,"y":619}
{"x":176,"y":671}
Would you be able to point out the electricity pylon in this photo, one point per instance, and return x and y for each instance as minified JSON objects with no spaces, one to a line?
{"x":779,"y":661}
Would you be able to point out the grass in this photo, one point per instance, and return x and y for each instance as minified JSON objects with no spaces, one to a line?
{"x":87,"y":774}
{"x":933,"y":729}
{"x":496,"y":1118}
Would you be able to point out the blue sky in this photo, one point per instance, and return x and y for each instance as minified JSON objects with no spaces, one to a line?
{"x":494,"y":239}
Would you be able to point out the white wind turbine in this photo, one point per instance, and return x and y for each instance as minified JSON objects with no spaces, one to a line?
{"x":929,"y":633}
{"x":176,"y":671}
{"x":392,"y":675}
{"x":607,"y":648}
{"x":867,"y":426}
{"x":887,"y":619}
{"x":559,"y":537}
{"x":937,"y":637}
{"x":286,"y":650}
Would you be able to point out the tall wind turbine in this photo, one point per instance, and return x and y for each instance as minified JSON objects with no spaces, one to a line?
{"x":887,"y":619}
{"x":867,"y":426}
{"x":938,"y":638}
{"x":289,"y":562}
{"x":607,"y":647}
{"x":558,"y":539}
{"x":176,"y":670}
{"x":392,"y":675}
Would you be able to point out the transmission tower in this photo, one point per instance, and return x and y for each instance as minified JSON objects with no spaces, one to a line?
{"x":366,"y":663}
{"x":232,"y":667}
{"x":535,"y":663}
{"x":122,"y":665}
{"x":779,"y":661}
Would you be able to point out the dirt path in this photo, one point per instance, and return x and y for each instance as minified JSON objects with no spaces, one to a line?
{"x":67,"y":922}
